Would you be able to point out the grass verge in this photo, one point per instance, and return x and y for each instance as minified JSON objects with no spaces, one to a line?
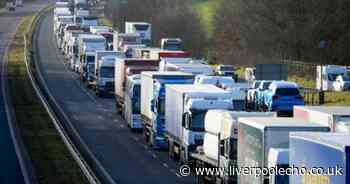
{"x":51,"y":159}
{"x":331,"y":98}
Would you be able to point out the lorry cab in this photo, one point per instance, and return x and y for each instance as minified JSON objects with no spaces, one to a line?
{"x":186,"y":107}
{"x":142,"y":28}
{"x":104,"y":75}
{"x":132,"y":112}
{"x":87,"y":46}
{"x":88,"y":66}
{"x":193,"y":68}
{"x":72,"y":50}
{"x":278,"y":158}
{"x":153,"y":95}
{"x":327,"y":75}
{"x":86,"y":22}
{"x":79,"y":15}
{"x":259,"y":95}
{"x":171,"y":44}
{"x":129,"y":49}
{"x":342,"y":83}
{"x":251,"y":94}
{"x":219,"y":81}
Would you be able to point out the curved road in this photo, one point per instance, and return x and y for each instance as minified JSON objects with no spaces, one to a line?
{"x":10,"y":170}
{"x":123,"y":154}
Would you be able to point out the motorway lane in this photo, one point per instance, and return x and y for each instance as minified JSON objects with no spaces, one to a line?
{"x":122,"y":153}
{"x":10,"y":170}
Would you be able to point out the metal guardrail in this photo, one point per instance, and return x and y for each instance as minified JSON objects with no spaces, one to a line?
{"x":28,"y":56}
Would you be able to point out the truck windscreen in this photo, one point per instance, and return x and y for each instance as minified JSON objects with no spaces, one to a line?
{"x":197,"y":123}
{"x":172,"y":47}
{"x":266,"y":85}
{"x":136,"y":103}
{"x":90,"y":59}
{"x":141,"y":27}
{"x":107,"y":72}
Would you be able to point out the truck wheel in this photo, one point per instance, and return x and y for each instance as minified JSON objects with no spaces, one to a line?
{"x":98,"y":93}
{"x":151,"y":141}
{"x":177,"y":152}
{"x":119,"y":109}
{"x":146,"y":136}
{"x":171,"y":149}
{"x":182,"y":158}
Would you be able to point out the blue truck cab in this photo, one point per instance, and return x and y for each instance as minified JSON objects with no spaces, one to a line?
{"x":153,"y":103}
{"x":282,"y":96}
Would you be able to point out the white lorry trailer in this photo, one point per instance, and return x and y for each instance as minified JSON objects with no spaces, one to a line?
{"x":256,"y":137}
{"x":326,"y":76}
{"x":80,"y":4}
{"x":153,"y":85}
{"x":103,"y":81}
{"x":88,"y":45}
{"x":336,"y":117}
{"x":219,"y":81}
{"x":144,"y":29}
{"x":328,"y":151}
{"x":185,"y":109}
{"x":238,"y":90}
{"x":220,"y":143}
{"x":194,"y":68}
{"x":124,"y":68}
{"x":121,"y":39}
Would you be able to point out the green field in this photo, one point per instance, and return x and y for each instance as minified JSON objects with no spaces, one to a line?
{"x":331,"y":98}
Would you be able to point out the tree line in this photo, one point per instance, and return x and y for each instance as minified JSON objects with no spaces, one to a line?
{"x":169,"y":18}
{"x":249,"y":31}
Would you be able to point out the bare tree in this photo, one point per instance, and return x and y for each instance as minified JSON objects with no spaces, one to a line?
{"x":169,"y":18}
{"x":267,"y":30}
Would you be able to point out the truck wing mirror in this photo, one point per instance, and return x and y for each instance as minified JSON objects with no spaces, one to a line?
{"x":184,"y":120}
{"x":152,"y":105}
{"x":222,"y":147}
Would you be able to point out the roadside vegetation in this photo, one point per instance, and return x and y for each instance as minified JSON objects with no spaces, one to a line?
{"x":223,"y":19}
{"x":51,"y":159}
{"x":244,"y":32}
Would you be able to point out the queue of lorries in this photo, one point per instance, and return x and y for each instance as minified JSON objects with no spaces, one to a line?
{"x":202,"y":116}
